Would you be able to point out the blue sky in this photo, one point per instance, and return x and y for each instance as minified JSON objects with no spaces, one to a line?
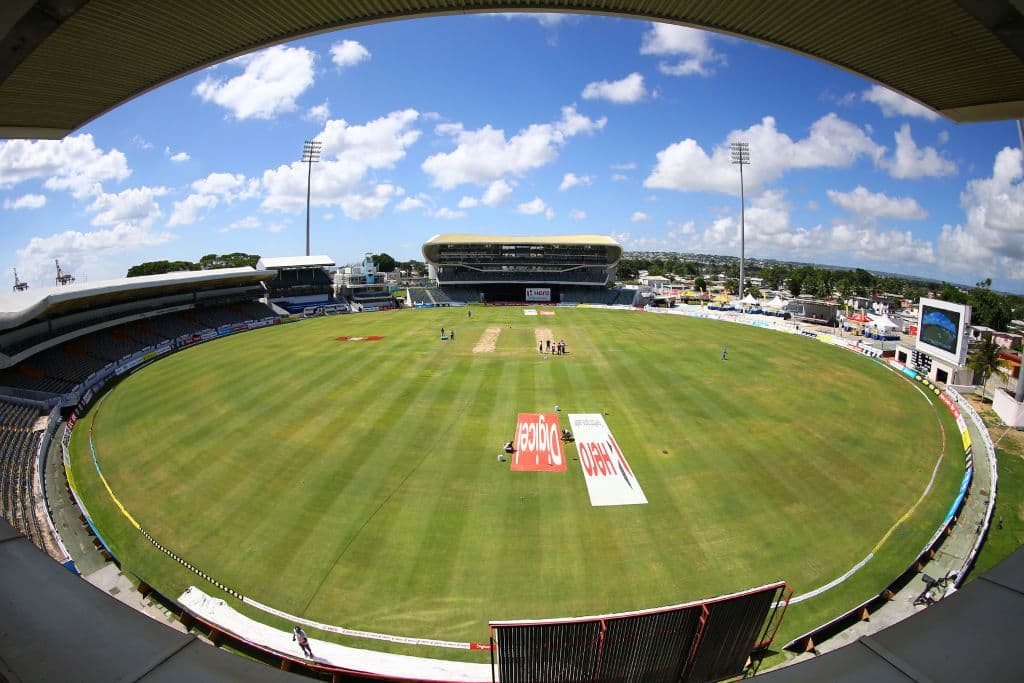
{"x":524,"y":124}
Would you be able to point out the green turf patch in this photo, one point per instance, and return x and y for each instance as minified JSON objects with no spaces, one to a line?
{"x":357,"y":483}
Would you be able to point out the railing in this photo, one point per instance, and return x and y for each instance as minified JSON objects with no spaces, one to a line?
{"x":990,"y":449}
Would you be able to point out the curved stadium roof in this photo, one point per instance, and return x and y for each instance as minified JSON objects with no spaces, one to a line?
{"x":433,"y":245}
{"x":65,"y":62}
{"x":47,"y":302}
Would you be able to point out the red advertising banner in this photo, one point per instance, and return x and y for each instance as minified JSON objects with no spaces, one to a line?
{"x":538,"y":444}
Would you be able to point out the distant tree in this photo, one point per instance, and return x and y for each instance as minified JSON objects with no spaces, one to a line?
{"x":985,"y":359}
{"x":628,"y":269}
{"x":700,"y":284}
{"x":732,"y":285}
{"x":412,"y":266}
{"x":233,"y":260}
{"x":384,"y":262}
{"x":796,"y":284}
{"x":160,"y":267}
{"x":989,"y":309}
{"x":952,"y":294}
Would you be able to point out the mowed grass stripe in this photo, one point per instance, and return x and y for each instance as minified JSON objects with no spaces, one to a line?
{"x":782,"y":463}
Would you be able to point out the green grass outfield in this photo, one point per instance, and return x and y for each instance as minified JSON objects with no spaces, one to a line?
{"x":356,"y":483}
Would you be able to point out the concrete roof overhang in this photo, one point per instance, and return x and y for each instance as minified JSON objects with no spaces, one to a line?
{"x":65,"y":62}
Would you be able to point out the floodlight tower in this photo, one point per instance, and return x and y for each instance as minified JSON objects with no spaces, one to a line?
{"x":741,"y":156}
{"x":310,"y":155}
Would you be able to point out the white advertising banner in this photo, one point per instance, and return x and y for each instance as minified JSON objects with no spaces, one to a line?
{"x":610,"y":480}
{"x":538,"y":294}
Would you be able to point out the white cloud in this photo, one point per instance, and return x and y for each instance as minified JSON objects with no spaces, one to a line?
{"x":188,"y":210}
{"x":625,"y":91}
{"x":619,"y":177}
{"x":176,"y":156}
{"x":247,"y":223}
{"x":410,"y":203}
{"x":141,"y":142}
{"x":135,"y":205}
{"x":468,"y":202}
{"x":771,"y":233}
{"x":577,"y":215}
{"x":628,"y":166}
{"x":319,"y":113}
{"x":349,"y":153}
{"x":898,"y":247}
{"x":26,"y":201}
{"x":876,"y":204}
{"x":535,"y":207}
{"x":943,"y":137}
{"x":228,"y":186}
{"x":484,"y":155}
{"x":991,"y":240}
{"x":379,"y":143}
{"x":691,"y":45}
{"x":497,"y":192}
{"x":74,"y":164}
{"x":348,"y":53}
{"x":269,"y":85}
{"x":86,"y":253}
{"x":445,"y":213}
{"x":639,"y":216}
{"x":370,"y":203}
{"x":570,"y":180}
{"x":911,"y":161}
{"x":894,"y":104}
{"x":545,"y":19}
{"x":831,"y":143}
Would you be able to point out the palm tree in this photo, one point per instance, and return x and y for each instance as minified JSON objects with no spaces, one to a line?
{"x":986,"y":360}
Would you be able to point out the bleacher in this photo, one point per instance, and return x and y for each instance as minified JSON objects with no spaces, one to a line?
{"x":61,"y":368}
{"x":463,"y":293}
{"x":19,"y":499}
{"x":429,"y":296}
{"x":419,"y":296}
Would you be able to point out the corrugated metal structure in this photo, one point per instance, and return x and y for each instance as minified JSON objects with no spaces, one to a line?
{"x":65,"y":62}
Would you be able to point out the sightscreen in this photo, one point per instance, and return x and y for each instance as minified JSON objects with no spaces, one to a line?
{"x":702,"y":641}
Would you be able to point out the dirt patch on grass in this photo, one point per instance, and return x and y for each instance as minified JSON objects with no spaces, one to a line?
{"x":541,"y":335}
{"x":1007,"y":438}
{"x":488,"y":340}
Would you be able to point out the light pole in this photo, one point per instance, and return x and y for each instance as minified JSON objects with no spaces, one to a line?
{"x":741,"y":156}
{"x":310,"y":155}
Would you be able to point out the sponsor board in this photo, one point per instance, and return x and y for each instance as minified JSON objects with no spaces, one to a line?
{"x":610,"y":480}
{"x":356,"y":339}
{"x":547,"y":312}
{"x":538,"y":294}
{"x":529,"y":311}
{"x":538,"y":444}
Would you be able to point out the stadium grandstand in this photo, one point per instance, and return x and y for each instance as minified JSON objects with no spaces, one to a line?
{"x":59,"y":347}
{"x":299,"y":284}
{"x":504,"y":269}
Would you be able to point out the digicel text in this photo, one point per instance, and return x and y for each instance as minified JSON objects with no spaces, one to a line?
{"x":538,"y":437}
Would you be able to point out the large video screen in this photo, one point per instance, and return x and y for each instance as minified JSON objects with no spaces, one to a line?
{"x":940,"y":328}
